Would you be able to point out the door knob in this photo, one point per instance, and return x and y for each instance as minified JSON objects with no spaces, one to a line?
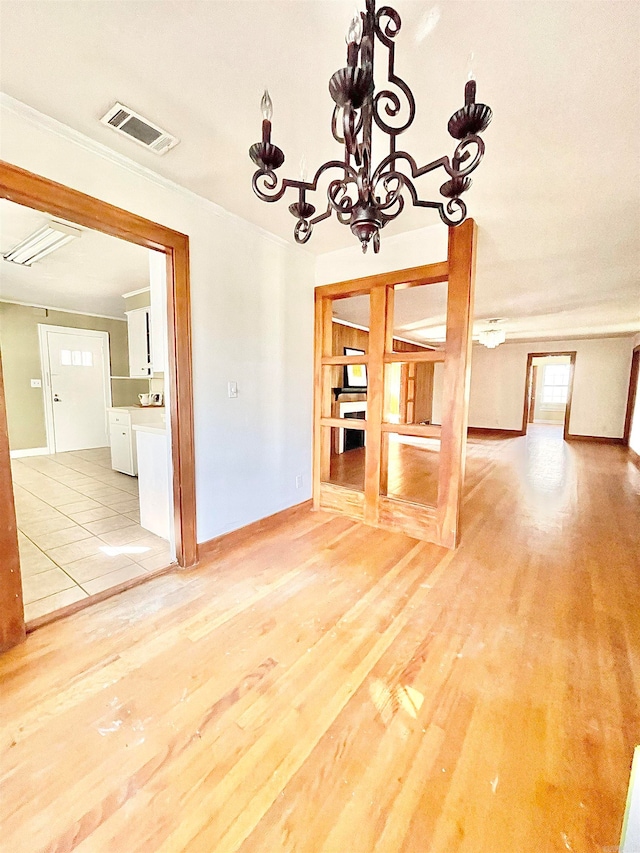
{"x":56,"y":399}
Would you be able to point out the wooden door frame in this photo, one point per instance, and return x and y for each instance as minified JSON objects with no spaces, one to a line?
{"x":531,"y":393}
{"x":567,"y":411}
{"x":34,"y":191}
{"x":631,"y":395}
{"x":439,"y":524}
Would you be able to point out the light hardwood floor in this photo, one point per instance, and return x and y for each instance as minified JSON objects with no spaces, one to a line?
{"x":331,"y":687}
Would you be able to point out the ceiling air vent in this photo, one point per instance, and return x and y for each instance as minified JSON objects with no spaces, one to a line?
{"x":138,"y":128}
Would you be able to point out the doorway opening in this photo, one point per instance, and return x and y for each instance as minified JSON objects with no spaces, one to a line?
{"x":548,"y":391}
{"x":95,"y":350}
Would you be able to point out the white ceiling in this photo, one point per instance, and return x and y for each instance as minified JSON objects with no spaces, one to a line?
{"x":557,"y":198}
{"x":88,"y":274}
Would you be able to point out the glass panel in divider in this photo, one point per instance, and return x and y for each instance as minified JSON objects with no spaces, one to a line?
{"x":345,"y":402}
{"x":419,"y":317}
{"x":413,"y":393}
{"x":347,"y":458}
{"x":350,"y":332}
{"x":411,"y":470}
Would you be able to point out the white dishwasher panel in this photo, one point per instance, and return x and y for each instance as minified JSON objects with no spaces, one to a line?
{"x":123,"y":450}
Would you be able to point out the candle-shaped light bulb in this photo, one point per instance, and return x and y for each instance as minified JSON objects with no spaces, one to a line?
{"x":354,"y":33}
{"x":303,"y":168}
{"x":470,"y":74}
{"x":266,"y":105}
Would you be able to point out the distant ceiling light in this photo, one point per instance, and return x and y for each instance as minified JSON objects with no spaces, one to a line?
{"x":139,"y":129}
{"x":493,"y":336}
{"x":45,"y":240}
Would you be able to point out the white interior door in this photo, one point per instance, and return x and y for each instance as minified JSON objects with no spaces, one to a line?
{"x":78,"y":387}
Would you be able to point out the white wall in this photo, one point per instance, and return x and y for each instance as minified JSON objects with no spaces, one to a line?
{"x":401,"y":251}
{"x":252,"y":311}
{"x":600,"y":386}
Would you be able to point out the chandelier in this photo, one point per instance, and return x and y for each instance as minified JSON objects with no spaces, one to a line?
{"x":362,"y":197}
{"x":493,"y":336}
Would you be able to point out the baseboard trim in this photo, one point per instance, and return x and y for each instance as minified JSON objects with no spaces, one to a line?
{"x":29,"y":451}
{"x":213,"y":547}
{"x":596,"y":439}
{"x":490,"y":432}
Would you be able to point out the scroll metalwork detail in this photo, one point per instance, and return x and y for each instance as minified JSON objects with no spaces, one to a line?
{"x":360,"y":197}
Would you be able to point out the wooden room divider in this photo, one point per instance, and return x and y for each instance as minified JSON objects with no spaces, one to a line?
{"x":437,"y":523}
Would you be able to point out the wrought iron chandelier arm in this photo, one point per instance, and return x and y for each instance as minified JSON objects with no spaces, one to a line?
{"x":452,"y":212}
{"x":386,"y":34}
{"x":270,"y":181}
{"x":304,"y":227}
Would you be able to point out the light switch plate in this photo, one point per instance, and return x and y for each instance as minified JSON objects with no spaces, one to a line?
{"x":36,"y":383}
{"x":233,"y":389}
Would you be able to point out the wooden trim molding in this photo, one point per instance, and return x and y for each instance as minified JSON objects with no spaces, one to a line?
{"x":631,"y":396}
{"x":39,"y":193}
{"x":598,"y":439}
{"x":344,"y":423}
{"x":218,"y":544}
{"x":567,"y":412}
{"x":12,"y":630}
{"x":415,"y":430}
{"x":412,"y":277}
{"x":490,"y":432}
{"x":427,"y":355}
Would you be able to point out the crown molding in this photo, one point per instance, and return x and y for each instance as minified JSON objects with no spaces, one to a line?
{"x":136,"y":292}
{"x":52,"y":125}
{"x":560,"y":338}
{"x":4,"y":301}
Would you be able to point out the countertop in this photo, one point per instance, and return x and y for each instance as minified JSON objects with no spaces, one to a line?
{"x":159,"y":409}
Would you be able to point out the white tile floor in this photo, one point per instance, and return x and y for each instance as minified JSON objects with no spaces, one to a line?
{"x":78,"y":529}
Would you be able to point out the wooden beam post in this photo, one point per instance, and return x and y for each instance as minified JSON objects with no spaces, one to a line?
{"x":375,"y":401}
{"x":388,"y":348}
{"x":457,"y":375}
{"x":323,"y":347}
{"x":12,"y":629}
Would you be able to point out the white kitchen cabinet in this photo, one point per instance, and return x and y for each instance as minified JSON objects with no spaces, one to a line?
{"x":154,"y":478}
{"x":122,"y":449}
{"x":139,"y":334}
{"x":124,"y":456}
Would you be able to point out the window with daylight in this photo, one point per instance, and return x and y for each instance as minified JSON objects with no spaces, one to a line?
{"x":555,"y":387}
{"x":76,"y":358}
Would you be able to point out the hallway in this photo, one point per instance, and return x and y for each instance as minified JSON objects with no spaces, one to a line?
{"x":326,"y":686}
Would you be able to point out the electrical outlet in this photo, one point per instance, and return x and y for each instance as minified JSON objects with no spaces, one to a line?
{"x":36,"y":383}
{"x":298,"y":481}
{"x":233,"y":389}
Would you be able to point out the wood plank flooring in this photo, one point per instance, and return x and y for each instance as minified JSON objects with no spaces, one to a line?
{"x":335,"y":688}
